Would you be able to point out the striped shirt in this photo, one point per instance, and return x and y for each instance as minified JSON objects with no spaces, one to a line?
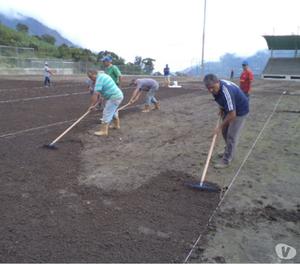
{"x":231,"y":98}
{"x":107,"y":87}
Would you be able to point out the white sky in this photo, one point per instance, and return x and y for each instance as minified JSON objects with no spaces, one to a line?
{"x":169,"y":31}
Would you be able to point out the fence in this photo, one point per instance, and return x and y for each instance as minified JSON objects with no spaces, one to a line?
{"x":9,"y":51}
{"x":18,"y":60}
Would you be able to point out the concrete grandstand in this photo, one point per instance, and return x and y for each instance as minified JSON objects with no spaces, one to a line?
{"x":284,"y":63}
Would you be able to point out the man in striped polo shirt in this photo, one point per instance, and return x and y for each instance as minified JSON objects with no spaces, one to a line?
{"x":106,"y":86}
{"x":234,"y":108}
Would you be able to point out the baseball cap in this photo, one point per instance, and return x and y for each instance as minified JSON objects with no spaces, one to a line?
{"x":107,"y":58}
{"x":46,"y":63}
{"x":245,"y":63}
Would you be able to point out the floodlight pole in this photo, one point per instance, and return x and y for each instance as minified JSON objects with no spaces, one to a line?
{"x":203,"y":42}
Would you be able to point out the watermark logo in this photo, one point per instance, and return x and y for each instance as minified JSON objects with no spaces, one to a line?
{"x":285,"y":251}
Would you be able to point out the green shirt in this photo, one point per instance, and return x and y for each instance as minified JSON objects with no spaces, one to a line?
{"x":114,"y":72}
{"x":107,"y":87}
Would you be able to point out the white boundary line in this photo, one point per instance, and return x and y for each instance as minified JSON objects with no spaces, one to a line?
{"x":49,"y":125}
{"x":41,"y":97}
{"x":64,"y":95}
{"x":40,"y":88}
{"x":34,"y":128}
{"x":235,"y":176}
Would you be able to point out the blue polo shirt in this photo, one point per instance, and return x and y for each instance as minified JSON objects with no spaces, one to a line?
{"x":231,"y":98}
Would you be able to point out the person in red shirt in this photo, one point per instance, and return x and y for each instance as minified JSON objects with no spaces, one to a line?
{"x":246,"y":79}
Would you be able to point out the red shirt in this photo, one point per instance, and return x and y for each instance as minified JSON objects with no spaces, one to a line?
{"x":245,"y":80}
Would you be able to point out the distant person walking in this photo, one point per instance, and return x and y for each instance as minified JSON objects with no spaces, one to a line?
{"x":167,"y":75}
{"x":112,"y":70}
{"x":149,"y":86}
{"x":105,"y":86}
{"x":47,"y":75}
{"x":231,"y":74}
{"x":234,"y":108}
{"x":246,"y":78}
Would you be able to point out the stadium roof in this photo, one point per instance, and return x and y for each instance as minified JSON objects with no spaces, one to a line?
{"x":291,"y":42}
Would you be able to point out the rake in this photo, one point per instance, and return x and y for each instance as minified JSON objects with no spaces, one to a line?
{"x":52,"y":144}
{"x":205,"y":186}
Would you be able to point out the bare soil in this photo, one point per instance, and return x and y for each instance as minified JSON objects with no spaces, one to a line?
{"x":122,"y":198}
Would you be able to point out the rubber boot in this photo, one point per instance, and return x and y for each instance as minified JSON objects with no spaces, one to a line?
{"x":156,"y":106}
{"x":115,"y":123}
{"x":146,"y":109}
{"x":103,"y":130}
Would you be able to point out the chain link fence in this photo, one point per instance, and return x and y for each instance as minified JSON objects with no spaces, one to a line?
{"x":19,"y":60}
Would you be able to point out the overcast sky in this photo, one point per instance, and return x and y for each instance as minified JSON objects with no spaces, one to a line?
{"x":169,"y":31}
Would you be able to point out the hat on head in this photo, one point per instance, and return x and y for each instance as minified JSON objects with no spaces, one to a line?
{"x":46,"y":63}
{"x":107,"y":58}
{"x":245,"y":63}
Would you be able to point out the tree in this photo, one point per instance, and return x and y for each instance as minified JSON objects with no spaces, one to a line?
{"x":148,"y":65}
{"x":48,"y":38}
{"x":64,"y":52}
{"x":138,"y":61}
{"x":22,"y":28}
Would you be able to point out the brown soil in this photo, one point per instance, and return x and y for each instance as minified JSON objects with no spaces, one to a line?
{"x":123,"y":199}
{"x":52,"y":212}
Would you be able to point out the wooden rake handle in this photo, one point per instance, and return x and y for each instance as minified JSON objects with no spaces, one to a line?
{"x":70,"y":127}
{"x":123,"y":107}
{"x":209,"y":153}
{"x":74,"y":124}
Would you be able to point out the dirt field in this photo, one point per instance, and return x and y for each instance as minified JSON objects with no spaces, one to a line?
{"x":123,"y":199}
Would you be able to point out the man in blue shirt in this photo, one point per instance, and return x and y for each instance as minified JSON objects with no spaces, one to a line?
{"x":167,"y":75}
{"x":234,"y":108}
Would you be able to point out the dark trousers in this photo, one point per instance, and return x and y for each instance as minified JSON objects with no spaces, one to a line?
{"x":47,"y":81}
{"x":231,"y":135}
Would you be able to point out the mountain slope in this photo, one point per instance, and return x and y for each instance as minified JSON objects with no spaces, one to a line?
{"x":228,"y":62}
{"x":35,"y":27}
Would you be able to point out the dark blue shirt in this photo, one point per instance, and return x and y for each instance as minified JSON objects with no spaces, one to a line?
{"x":166,"y":71}
{"x":231,"y":98}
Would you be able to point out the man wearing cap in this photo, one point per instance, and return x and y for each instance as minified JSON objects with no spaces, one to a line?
{"x":47,"y":75}
{"x":112,"y":70}
{"x":105,"y":86}
{"x":234,"y":108}
{"x":246,"y":78}
{"x":149,"y":86}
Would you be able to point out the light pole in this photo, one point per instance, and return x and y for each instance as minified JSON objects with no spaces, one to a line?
{"x":203,"y":42}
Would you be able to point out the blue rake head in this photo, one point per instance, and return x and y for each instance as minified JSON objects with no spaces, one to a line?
{"x":207,"y":187}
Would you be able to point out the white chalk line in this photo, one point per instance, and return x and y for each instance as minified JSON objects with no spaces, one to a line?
{"x":39,"y":87}
{"x":60,"y":95}
{"x":34,"y":128}
{"x":20,"y":132}
{"x":235,"y":176}
{"x":46,"y":97}
{"x":41,"y":97}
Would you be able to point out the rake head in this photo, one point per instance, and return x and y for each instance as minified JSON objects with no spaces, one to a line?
{"x":205,"y":186}
{"x":49,"y":146}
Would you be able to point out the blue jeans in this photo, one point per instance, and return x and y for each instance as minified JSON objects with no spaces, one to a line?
{"x":47,"y":81}
{"x":150,"y":96}
{"x":110,"y":110}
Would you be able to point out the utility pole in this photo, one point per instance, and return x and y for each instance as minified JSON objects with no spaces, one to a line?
{"x":203,"y":42}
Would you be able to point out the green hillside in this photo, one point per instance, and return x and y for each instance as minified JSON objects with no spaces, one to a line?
{"x":44,"y":47}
